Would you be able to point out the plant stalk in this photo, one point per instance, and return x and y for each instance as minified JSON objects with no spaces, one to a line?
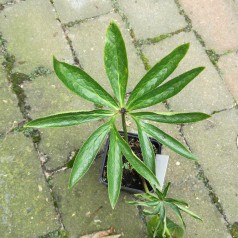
{"x":123,"y":119}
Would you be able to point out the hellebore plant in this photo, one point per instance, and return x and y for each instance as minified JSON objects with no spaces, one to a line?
{"x":150,"y":90}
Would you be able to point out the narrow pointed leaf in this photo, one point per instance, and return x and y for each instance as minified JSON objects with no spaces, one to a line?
{"x":184,"y":209}
{"x":115,"y":60}
{"x":114,"y":170}
{"x":167,"y":140}
{"x":159,"y":73}
{"x":176,"y":201}
{"x":171,"y":118}
{"x":82,"y":84}
{"x":69,"y":118}
{"x":177,"y":212}
{"x":146,"y":148}
{"x":87,"y":153}
{"x":136,"y":163}
{"x":166,"y":190}
{"x":166,"y":91}
{"x":155,"y":211}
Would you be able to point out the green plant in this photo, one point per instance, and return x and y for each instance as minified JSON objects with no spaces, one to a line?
{"x":159,"y":225}
{"x":150,"y":90}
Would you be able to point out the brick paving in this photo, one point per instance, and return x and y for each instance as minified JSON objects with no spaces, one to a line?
{"x":34,"y":198}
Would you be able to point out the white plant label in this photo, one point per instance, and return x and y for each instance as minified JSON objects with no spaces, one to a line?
{"x":161,"y":163}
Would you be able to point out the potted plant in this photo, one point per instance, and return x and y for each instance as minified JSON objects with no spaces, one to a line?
{"x":150,"y":90}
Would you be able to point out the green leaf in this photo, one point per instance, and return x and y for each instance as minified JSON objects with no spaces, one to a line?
{"x":115,"y":60}
{"x":146,"y":148}
{"x":167,"y":140}
{"x":155,"y":211}
{"x":175,"y":230}
{"x":167,"y":90}
{"x":184,"y":209}
{"x":171,"y":118}
{"x":166,"y":190}
{"x":87,"y":153}
{"x":177,"y":212}
{"x":158,"y":73}
{"x":114,"y":169}
{"x":82,"y":84}
{"x":136,"y":163}
{"x":69,"y":118}
{"x":176,"y":201}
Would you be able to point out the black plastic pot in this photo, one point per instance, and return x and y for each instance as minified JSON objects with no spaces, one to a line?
{"x":103,"y":170}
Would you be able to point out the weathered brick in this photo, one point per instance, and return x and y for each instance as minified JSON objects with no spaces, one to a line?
{"x":26,"y":206}
{"x":79,"y":10}
{"x":229,"y":68}
{"x":33,"y":35}
{"x":152,"y":18}
{"x":216,"y":147}
{"x":207,"y":92}
{"x":216,"y":21}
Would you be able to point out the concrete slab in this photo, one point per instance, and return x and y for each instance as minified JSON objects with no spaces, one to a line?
{"x":9,"y":111}
{"x":88,"y":41}
{"x":26,"y":206}
{"x":152,"y":18}
{"x":86,"y":208}
{"x":207,"y":93}
{"x":33,"y":44}
{"x":47,"y":95}
{"x":217,"y":151}
{"x":216,"y":23}
{"x":79,"y":10}
{"x":228,"y":65}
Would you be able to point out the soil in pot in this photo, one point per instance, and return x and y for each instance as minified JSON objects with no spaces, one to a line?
{"x":131,"y":180}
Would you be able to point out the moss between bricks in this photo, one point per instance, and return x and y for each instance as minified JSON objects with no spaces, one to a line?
{"x":234,"y":230}
{"x":55,"y":234}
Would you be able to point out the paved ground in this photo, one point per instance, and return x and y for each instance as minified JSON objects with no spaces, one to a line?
{"x":34,"y":199}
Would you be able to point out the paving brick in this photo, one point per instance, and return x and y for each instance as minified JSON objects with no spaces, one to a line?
{"x":152,"y":18}
{"x":207,"y":93}
{"x":229,"y":67}
{"x":216,"y":21}
{"x":26,"y":207}
{"x":9,"y":111}
{"x":88,"y":41}
{"x":217,"y":151}
{"x":46,"y":96}
{"x":79,"y":10}
{"x":33,"y":35}
{"x":86,"y":208}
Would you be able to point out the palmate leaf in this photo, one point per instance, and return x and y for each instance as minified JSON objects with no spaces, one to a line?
{"x":82,"y":84}
{"x":69,"y":118}
{"x":88,"y":152}
{"x":115,"y":60}
{"x":171,"y":117}
{"x":167,"y":140}
{"x":136,"y":163}
{"x":114,"y":169}
{"x":146,"y":148}
{"x":166,"y":91}
{"x":158,"y":73}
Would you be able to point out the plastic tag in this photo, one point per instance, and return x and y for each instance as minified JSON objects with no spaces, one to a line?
{"x":161,"y":163}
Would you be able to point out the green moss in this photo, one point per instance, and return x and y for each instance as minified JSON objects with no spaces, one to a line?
{"x":40,"y":71}
{"x":234,"y":230}
{"x":214,"y":57}
{"x":145,"y":61}
{"x":55,"y":234}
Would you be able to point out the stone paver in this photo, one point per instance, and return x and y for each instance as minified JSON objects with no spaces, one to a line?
{"x":86,"y":208}
{"x":152,"y":18}
{"x":46,"y":96}
{"x":88,"y":41}
{"x":26,"y":207}
{"x":229,"y":68}
{"x":218,"y":155}
{"x":9,"y":112}
{"x":79,"y":10}
{"x":206,"y":91}
{"x":216,"y":21}
{"x":33,"y":44}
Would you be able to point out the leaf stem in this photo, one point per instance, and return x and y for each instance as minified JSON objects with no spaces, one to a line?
{"x":123,"y":119}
